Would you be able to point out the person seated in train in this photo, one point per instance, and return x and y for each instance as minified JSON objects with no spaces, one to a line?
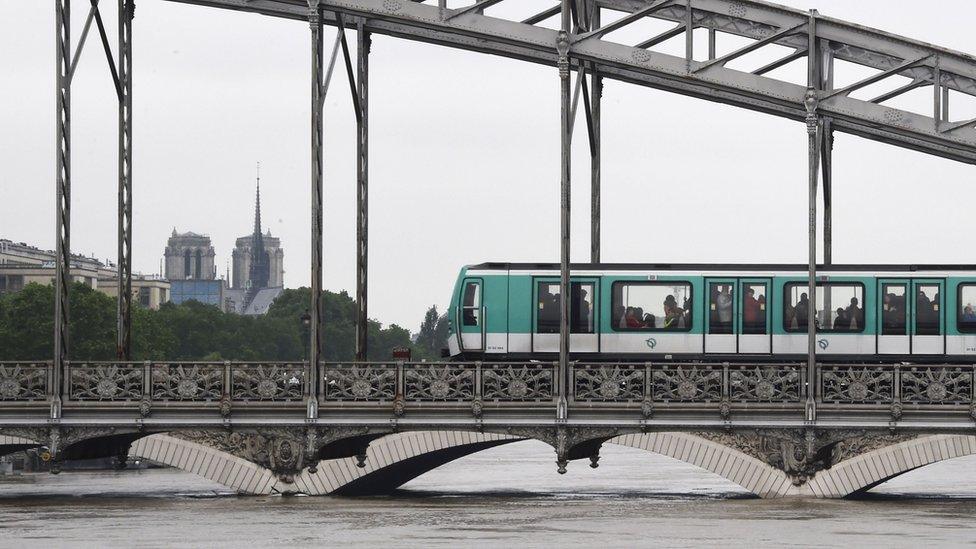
{"x":750,"y":308}
{"x":801,"y":310}
{"x":649,"y":320}
{"x":890,"y":313}
{"x":855,"y":315}
{"x":723,"y":302}
{"x":620,"y":313}
{"x":673,"y":315}
{"x":632,"y":321}
{"x":842,"y":322}
{"x":789,"y":317}
{"x":969,"y":314}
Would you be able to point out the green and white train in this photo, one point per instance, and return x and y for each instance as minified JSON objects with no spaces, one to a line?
{"x":864,"y":313}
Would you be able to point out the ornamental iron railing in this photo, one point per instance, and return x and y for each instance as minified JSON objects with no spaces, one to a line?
{"x":382,"y":386}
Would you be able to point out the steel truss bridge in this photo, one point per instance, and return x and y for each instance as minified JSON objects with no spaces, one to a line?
{"x":825,"y":430}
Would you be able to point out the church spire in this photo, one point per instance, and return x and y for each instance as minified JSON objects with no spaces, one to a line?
{"x":257,"y":204}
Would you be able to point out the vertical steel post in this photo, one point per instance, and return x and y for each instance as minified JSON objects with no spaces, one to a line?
{"x":826,"y":81}
{"x":62,"y":222}
{"x":711,"y":43}
{"x":124,"y":287}
{"x":813,"y":138}
{"x":562,"y":47}
{"x":362,"y":189}
{"x":315,"y":328}
{"x":596,"y":96}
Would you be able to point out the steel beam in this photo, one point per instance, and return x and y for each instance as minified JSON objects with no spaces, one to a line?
{"x":315,"y":328}
{"x":124,"y":283}
{"x":62,"y":222}
{"x":362,"y":190}
{"x":825,"y":79}
{"x":596,"y":96}
{"x":562,"y":47}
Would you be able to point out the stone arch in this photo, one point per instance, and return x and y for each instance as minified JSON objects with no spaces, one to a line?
{"x":394,"y":460}
{"x":210,"y":463}
{"x":390,"y":462}
{"x":752,"y":474}
{"x":865,"y":471}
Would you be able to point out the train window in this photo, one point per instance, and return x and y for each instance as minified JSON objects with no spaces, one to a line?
{"x":893,"y":310}
{"x":839,"y":308}
{"x":927,"y":310}
{"x":720,"y":298}
{"x":651,"y":306}
{"x":471,"y":307}
{"x":754,"y":308}
{"x":967,"y":308}
{"x":580,"y":308}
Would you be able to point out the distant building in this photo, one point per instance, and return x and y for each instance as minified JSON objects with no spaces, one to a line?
{"x":189,"y":256}
{"x":258,"y":263}
{"x":22,"y":264}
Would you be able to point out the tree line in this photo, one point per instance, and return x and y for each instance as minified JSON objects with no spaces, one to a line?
{"x":195,"y":331}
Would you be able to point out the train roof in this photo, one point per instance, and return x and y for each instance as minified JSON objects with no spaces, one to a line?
{"x":799,"y":267}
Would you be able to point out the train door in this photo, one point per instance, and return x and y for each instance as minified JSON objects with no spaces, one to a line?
{"x":583,"y":336}
{"x":928,"y":317}
{"x":754,"y":316}
{"x":720,"y":317}
{"x":894,"y":310}
{"x":472,"y":316}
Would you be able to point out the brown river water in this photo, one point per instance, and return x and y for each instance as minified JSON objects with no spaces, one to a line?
{"x":508,"y":496}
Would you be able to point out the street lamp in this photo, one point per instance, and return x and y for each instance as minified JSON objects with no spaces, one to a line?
{"x":306,"y":323}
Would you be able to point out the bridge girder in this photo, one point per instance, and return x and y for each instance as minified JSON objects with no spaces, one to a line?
{"x":712,"y":80}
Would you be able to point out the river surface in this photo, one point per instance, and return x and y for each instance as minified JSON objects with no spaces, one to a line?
{"x":508,"y":496}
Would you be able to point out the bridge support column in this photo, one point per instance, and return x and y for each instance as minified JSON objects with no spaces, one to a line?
{"x":813,"y":143}
{"x":596,"y":95}
{"x":826,"y":81}
{"x":562,"y":47}
{"x":315,"y":328}
{"x":62,"y":223}
{"x":362,"y":189}
{"x":124,"y":287}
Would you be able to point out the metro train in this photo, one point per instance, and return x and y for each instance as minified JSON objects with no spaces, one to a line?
{"x":634,"y":312}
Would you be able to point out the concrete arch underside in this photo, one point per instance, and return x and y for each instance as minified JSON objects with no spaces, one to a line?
{"x":390,"y":462}
{"x":857,"y":474}
{"x":396,"y":459}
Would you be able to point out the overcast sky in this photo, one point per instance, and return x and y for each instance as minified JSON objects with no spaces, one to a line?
{"x":464,"y":155}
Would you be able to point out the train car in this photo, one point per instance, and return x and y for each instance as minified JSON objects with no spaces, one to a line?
{"x":863,"y":313}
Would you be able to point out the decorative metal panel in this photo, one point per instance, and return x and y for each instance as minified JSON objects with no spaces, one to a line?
{"x":857,"y":384}
{"x":359,"y":382}
{"x":438,"y":382}
{"x":764,"y":383}
{"x":687,"y":382}
{"x":517,"y":382}
{"x":23,"y":381}
{"x":187,"y":382}
{"x":937,"y":385}
{"x":106,"y":381}
{"x":608,"y":382}
{"x":271,"y":382}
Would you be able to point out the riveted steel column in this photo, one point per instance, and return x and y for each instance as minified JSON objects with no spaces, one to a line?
{"x":562,"y":47}
{"x":362,"y":190}
{"x":124,"y":299}
{"x":62,"y":222}
{"x":595,"y":99}
{"x":315,"y":328}
{"x":813,"y":141}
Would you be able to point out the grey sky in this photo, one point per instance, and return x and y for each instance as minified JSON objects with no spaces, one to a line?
{"x":464,"y":163}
